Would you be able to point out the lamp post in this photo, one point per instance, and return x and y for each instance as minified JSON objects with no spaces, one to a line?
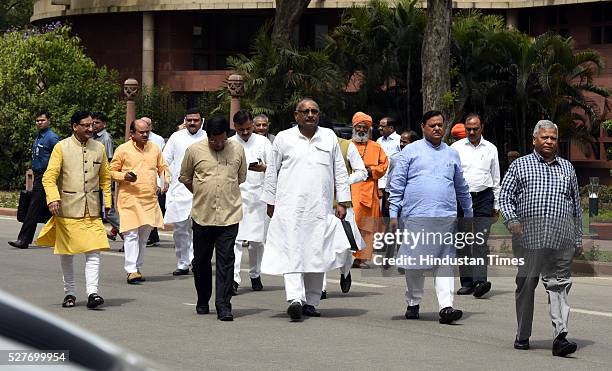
{"x":593,"y":196}
{"x":130,"y":89}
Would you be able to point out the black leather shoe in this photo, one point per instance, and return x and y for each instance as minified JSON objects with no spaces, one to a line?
{"x":449,"y":315}
{"x":180,"y":272}
{"x":323,"y":295}
{"x":310,"y":311}
{"x":235,"y":286}
{"x":521,"y":344}
{"x":18,"y":244}
{"x":465,"y":290}
{"x":152,"y":242}
{"x":562,"y":347}
{"x":225,"y":316}
{"x":94,"y":301}
{"x":412,"y":312}
{"x":345,"y":282}
{"x":295,"y":311}
{"x":481,"y":288}
{"x":256,"y":284}
{"x":202,"y":309}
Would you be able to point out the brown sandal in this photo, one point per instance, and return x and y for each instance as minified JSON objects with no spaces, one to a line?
{"x":69,"y":301}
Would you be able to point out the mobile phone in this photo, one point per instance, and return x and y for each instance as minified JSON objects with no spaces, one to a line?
{"x":132,"y":174}
{"x":253,"y":164}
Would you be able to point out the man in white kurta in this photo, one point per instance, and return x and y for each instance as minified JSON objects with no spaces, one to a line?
{"x":305,"y":239}
{"x":254,"y":224}
{"x":178,"y":198}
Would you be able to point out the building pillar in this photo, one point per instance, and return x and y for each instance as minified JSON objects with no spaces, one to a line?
{"x":148,"y":50}
{"x":130,"y":89}
{"x":235,"y":86}
{"x":512,"y":19}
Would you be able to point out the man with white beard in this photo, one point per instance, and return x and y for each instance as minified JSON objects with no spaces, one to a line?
{"x":178,"y":198}
{"x":305,"y":239}
{"x":254,"y":224}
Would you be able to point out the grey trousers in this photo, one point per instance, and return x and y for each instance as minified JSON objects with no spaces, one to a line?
{"x":555,"y":268}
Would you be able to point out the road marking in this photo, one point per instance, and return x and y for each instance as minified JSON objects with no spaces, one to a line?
{"x":592,"y":312}
{"x":112,"y":253}
{"x":190,"y":304}
{"x":7,"y":218}
{"x":360,"y":284}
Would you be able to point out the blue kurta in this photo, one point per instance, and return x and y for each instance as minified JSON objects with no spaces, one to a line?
{"x":425,"y":186}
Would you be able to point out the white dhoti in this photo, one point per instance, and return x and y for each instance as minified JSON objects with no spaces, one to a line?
{"x":183,"y":243}
{"x":256,"y":250}
{"x":134,"y":244}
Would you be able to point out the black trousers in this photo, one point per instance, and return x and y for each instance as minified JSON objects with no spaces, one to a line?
{"x":483,"y":207}
{"x":37,"y":212}
{"x":205,"y":240}
{"x":161,"y":199}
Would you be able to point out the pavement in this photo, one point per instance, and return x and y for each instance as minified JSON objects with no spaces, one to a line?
{"x":361,"y":330}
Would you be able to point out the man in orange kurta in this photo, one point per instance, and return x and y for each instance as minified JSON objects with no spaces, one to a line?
{"x":135,"y":166}
{"x":366,"y":202}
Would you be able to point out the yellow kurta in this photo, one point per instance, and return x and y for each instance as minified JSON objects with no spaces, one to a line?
{"x":73,"y":235}
{"x":137,"y":202}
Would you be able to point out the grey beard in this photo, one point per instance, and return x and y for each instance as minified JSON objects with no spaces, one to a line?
{"x":360,"y":137}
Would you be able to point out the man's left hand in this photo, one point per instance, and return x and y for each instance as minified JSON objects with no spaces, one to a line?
{"x":165,"y":189}
{"x":258,"y":168}
{"x":341,"y":211}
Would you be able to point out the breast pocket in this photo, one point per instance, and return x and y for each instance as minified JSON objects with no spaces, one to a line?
{"x":322,"y":154}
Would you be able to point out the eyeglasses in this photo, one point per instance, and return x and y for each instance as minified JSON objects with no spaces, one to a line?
{"x":306,"y":111}
{"x":90,"y":126}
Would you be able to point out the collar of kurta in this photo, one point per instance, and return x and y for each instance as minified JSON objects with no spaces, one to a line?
{"x":138,"y":148}
{"x":316,"y":134}
{"x":481,"y":143}
{"x":439,"y":146}
{"x":76,"y":141}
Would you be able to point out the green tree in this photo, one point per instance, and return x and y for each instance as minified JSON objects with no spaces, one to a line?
{"x":15,"y":13}
{"x":48,"y":70}
{"x":278,"y":75}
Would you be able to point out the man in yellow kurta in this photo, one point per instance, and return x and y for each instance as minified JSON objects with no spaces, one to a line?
{"x":135,"y":167}
{"x":366,"y":202}
{"x":74,"y":180}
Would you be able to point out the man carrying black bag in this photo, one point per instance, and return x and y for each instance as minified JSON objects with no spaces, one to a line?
{"x":37,"y":211}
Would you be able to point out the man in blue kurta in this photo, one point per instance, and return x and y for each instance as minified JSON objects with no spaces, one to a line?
{"x":425,"y":184}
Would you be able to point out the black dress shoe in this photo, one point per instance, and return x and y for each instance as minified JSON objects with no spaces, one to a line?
{"x":310,"y":311}
{"x":256,"y":284}
{"x":345,"y":282}
{"x":466,"y":290}
{"x":521,"y":344}
{"x":18,"y":244}
{"x":180,"y":272}
{"x":152,"y":242}
{"x":225,"y":316}
{"x":323,"y":295}
{"x":295,"y":311}
{"x":412,"y":312}
{"x":235,"y":286}
{"x":94,"y":301}
{"x":449,"y":315}
{"x":481,"y":288}
{"x":562,"y":347}
{"x":202,"y":309}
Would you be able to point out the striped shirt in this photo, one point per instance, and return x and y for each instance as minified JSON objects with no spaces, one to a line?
{"x":544,"y":198}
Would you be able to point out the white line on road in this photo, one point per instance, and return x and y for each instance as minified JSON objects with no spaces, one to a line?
{"x":190,"y":304}
{"x":592,"y":312}
{"x":112,"y":253}
{"x":372,"y":285}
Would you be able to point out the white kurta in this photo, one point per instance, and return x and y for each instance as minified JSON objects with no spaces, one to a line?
{"x":178,"y":198}
{"x":254,"y":223}
{"x":304,"y":234}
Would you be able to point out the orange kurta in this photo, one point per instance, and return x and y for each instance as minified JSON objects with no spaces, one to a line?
{"x":137,"y":201}
{"x":366,"y":203}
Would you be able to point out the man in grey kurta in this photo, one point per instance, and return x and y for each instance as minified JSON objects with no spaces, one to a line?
{"x":540,"y":202}
{"x":426,"y":183}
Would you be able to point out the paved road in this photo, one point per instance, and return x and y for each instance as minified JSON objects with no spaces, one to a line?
{"x":361,"y":330}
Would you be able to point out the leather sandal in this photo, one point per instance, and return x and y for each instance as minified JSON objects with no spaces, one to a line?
{"x":69,"y":301}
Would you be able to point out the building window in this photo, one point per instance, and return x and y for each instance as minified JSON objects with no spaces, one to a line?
{"x":557,"y":21}
{"x":601,"y":28}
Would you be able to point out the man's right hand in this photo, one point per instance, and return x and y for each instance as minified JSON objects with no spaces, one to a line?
{"x":54,"y":208}
{"x":129,"y":177}
{"x":516,"y":229}
{"x":270,"y":210}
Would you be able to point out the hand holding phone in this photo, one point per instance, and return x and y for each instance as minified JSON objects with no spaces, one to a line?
{"x":130,"y":176}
